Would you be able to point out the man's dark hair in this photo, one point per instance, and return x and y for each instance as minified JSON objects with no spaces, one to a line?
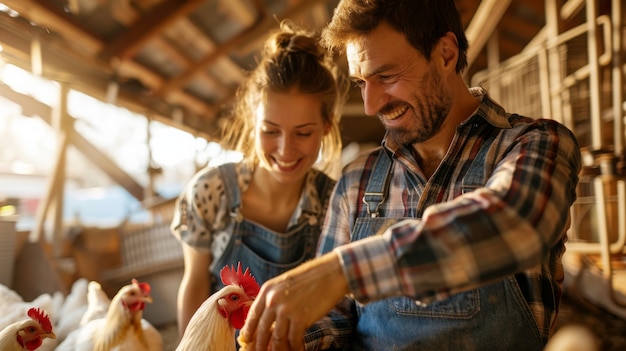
{"x":423,"y":22}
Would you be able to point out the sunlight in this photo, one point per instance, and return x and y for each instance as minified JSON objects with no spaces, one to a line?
{"x":25,"y":82}
{"x":28,"y":146}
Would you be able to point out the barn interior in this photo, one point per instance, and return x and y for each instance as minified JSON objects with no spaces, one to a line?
{"x":108,"y":107}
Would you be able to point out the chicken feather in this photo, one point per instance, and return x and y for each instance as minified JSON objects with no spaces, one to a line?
{"x":122,"y":328}
{"x":27,"y":334}
{"x":212,"y":326}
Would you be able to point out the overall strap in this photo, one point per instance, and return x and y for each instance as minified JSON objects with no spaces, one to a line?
{"x":377,"y":187}
{"x":475,"y":177}
{"x":231,"y":187}
{"x":325,"y":186}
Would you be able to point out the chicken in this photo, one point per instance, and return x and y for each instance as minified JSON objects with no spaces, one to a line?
{"x":27,"y":334}
{"x":573,"y":337}
{"x":72,"y":310}
{"x":97,"y":303}
{"x":85,"y":302}
{"x":8,"y":297}
{"x":122,"y":328}
{"x":212,"y":326}
{"x":13,"y":309}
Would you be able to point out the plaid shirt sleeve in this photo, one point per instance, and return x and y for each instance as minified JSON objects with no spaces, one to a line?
{"x":497,"y":230}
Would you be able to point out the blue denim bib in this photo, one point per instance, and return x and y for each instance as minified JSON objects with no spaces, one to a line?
{"x":493,"y":317}
{"x":265,"y":252}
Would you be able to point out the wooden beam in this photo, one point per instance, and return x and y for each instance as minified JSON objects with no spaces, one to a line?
{"x":483,"y":24}
{"x":172,"y":43}
{"x":52,"y":191}
{"x":166,"y":46}
{"x":147,"y":27}
{"x":185,"y":32}
{"x":63,"y":124}
{"x":91,"y":76}
{"x":571,"y":8}
{"x":43,"y":14}
{"x":52,"y":202}
{"x":107,"y":165}
{"x":253,"y":32}
{"x":617,"y":75}
{"x":30,"y":106}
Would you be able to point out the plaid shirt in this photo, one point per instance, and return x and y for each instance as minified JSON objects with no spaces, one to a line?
{"x":462,"y":235}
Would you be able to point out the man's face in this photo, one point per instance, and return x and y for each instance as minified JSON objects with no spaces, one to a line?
{"x":399,"y":85}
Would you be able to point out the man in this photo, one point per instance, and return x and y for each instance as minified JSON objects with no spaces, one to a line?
{"x":477,"y":264}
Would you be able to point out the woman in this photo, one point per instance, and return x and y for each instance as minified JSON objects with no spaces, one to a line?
{"x":267,"y":210}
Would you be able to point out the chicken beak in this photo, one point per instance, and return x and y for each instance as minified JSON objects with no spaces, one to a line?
{"x":50,"y":335}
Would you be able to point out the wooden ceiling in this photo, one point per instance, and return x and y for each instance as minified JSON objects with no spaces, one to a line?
{"x":180,"y":61}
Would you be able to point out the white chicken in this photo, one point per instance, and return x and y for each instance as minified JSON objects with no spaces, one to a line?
{"x":122,"y":328}
{"x":573,"y":337}
{"x":97,"y":303}
{"x":68,"y":317}
{"x":13,"y":309}
{"x":27,"y":334}
{"x":8,"y":297}
{"x":212,"y":326}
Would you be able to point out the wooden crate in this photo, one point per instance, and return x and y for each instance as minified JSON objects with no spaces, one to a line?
{"x":152,"y":255}
{"x":8,"y":245}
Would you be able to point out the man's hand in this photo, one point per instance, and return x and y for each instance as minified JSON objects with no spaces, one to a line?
{"x":291,"y":302}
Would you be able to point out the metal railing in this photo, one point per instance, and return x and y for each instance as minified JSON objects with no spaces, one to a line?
{"x":576,"y":78}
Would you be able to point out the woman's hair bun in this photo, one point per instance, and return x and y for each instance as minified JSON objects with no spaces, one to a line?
{"x":292,"y":39}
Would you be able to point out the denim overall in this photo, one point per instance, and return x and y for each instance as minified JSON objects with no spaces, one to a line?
{"x":493,"y":317}
{"x":265,"y":252}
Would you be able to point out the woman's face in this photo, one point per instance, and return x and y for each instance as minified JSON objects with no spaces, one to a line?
{"x":288,"y":133}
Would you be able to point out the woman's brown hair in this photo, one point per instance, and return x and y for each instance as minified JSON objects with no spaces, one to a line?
{"x":292,"y":61}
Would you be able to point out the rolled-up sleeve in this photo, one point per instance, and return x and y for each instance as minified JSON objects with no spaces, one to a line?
{"x":500,"y":229}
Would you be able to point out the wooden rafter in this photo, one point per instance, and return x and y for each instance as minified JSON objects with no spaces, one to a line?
{"x":42,"y":13}
{"x":147,"y":27}
{"x":253,"y":32}
{"x":483,"y":23}
{"x":30,"y":106}
{"x":183,"y":65}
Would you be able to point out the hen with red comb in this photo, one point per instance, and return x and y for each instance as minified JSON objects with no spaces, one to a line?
{"x":230,"y":276}
{"x":27,"y":334}
{"x":213,"y":325}
{"x":122,"y":327}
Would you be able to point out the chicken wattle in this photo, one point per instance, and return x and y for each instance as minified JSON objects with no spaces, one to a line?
{"x":27,"y":334}
{"x":213,"y":325}
{"x":121,"y":328}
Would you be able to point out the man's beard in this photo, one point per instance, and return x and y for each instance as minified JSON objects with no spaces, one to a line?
{"x":429,"y":113}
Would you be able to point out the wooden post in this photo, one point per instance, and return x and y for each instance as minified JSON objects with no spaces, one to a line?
{"x":618,"y":77}
{"x":594,"y":76}
{"x":52,"y":201}
{"x":554,"y":64}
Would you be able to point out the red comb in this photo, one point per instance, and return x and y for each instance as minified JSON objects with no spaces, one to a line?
{"x":41,"y":317}
{"x":230,"y":276}
{"x":145,"y":287}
